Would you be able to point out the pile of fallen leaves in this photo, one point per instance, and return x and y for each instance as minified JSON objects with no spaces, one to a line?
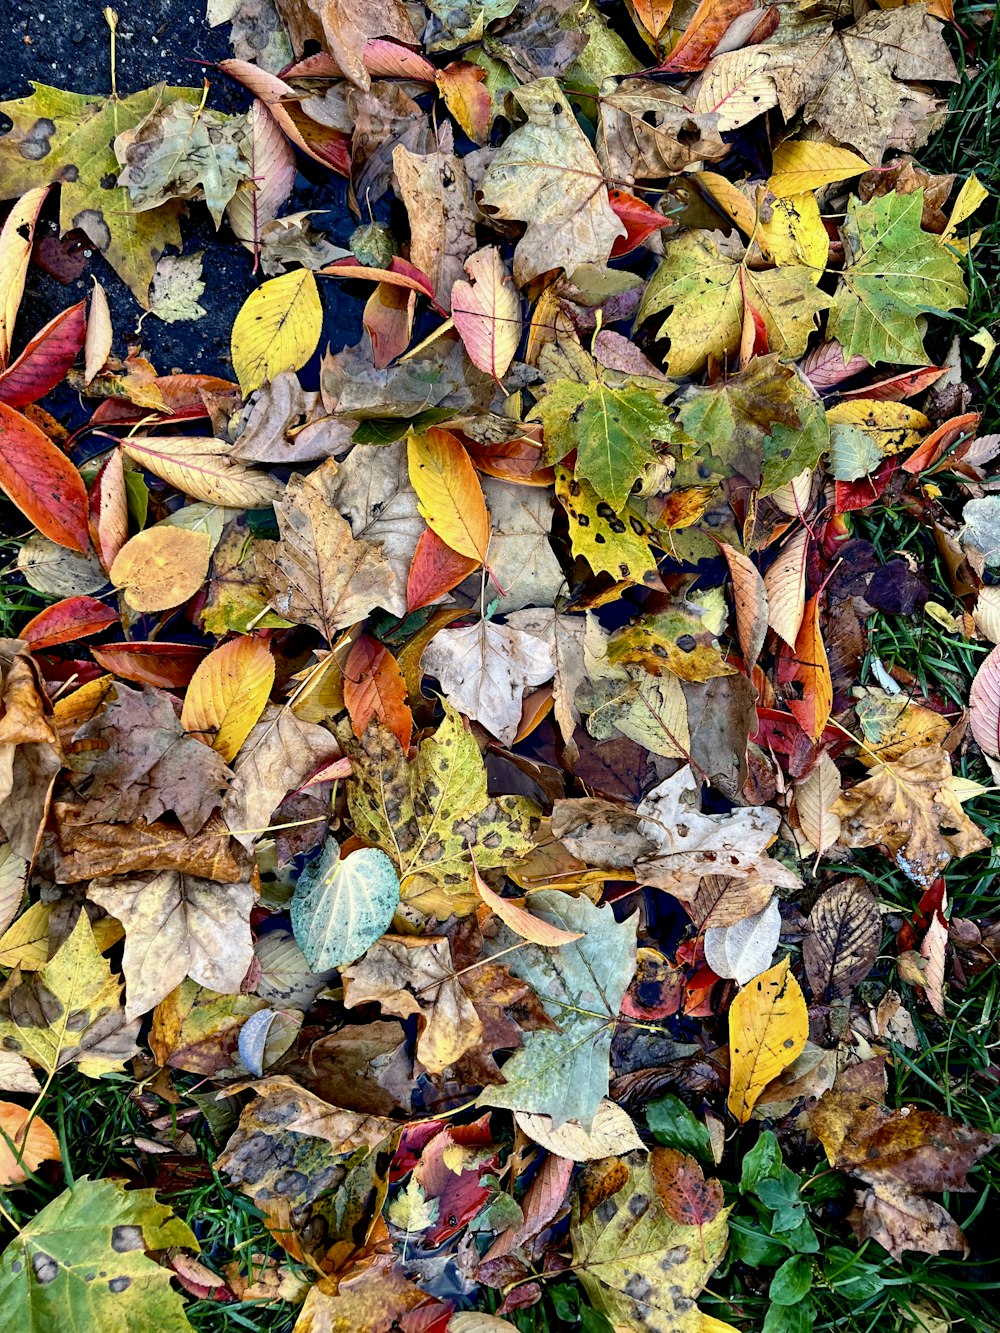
{"x":437,"y":779}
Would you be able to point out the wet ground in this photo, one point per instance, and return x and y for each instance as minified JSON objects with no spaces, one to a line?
{"x":66,"y":43}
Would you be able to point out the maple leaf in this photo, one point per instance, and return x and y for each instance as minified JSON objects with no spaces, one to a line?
{"x":178,"y":926}
{"x":547,"y":174}
{"x":893,"y":272}
{"x":429,"y":813}
{"x":706,"y":292}
{"x":95,"y":1226}
{"x":564,"y":1073}
{"x":67,"y":138}
{"x":611,"y":427}
{"x":911,"y":810}
{"x":318,"y":573}
{"x":146,"y":764}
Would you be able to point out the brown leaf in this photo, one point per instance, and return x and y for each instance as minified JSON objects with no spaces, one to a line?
{"x":690,"y":1199}
{"x":344,"y":28}
{"x":909,"y":808}
{"x":842,"y":942}
{"x":147,"y":764}
{"x":30,"y":752}
{"x":89,"y":850}
{"x":898,"y":1221}
{"x":435,"y":189}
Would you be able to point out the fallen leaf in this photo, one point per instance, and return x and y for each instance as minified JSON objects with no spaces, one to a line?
{"x":343,"y":904}
{"x":842,"y":941}
{"x":768,"y":1025}
{"x":161,"y":567}
{"x":228,"y":692}
{"x":277,"y":328}
{"x":33,"y":1142}
{"x":611,"y":1134}
{"x":449,"y":492}
{"x":487,"y":312}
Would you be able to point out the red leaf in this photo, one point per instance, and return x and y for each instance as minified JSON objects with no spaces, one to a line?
{"x":41,"y":481}
{"x":170,"y":665}
{"x":72,"y":618}
{"x":374,"y":687}
{"x":638,"y":218}
{"x":400,"y":273}
{"x":704,"y":32}
{"x":939,"y":442}
{"x":898,"y":387}
{"x":185,"y":395}
{"x":435,"y":570}
{"x":456,"y":1186}
{"x":689,"y":1199}
{"x":865,"y":491}
{"x":46,"y":359}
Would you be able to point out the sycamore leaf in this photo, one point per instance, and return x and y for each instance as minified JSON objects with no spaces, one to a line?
{"x":228,"y":693}
{"x":547,"y":174}
{"x":179,"y":151}
{"x":430,"y":812}
{"x":161,"y":567}
{"x":705,"y":291}
{"x":484,"y":669}
{"x":47,"y":1272}
{"x":487,"y":312}
{"x":142,"y":763}
{"x":613,"y":431}
{"x":893,"y":271}
{"x":911,"y":810}
{"x":318,"y":574}
{"x":178,"y":926}
{"x":342,"y":905}
{"x":449,"y":491}
{"x":768,"y":1026}
{"x":413,"y":975}
{"x":564,"y":1073}
{"x":69,"y":137}
{"x":639,"y":1267}
{"x":70,"y":1011}
{"x":277,"y":328}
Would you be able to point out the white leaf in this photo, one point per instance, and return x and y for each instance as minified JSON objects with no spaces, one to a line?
{"x":744,"y":950}
{"x":611,"y":1135}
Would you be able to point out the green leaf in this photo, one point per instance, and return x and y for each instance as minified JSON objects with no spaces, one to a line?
{"x":790,"y":1318}
{"x":893,"y":272}
{"x":70,"y":1011}
{"x":342,"y":905}
{"x":853,"y":452}
{"x":792,"y":1281}
{"x":762,"y":1162}
{"x":80,"y":1264}
{"x":637,"y":1266}
{"x":755,"y":1247}
{"x":766,"y":424}
{"x":69,"y":137}
{"x":564,"y":1073}
{"x":674,"y":1125}
{"x":781,"y":1194}
{"x":704,"y":292}
{"x":611,"y":429}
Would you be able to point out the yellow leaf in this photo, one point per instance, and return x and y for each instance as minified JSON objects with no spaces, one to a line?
{"x":785,"y":584}
{"x":15,"y":255}
{"x":768,"y":1026}
{"x":161,"y":567}
{"x":800,"y":164}
{"x":204,"y":468}
{"x":895,"y":427}
{"x":35,"y":1143}
{"x":730,"y":199}
{"x":791,"y":231}
{"x":450,"y":497}
{"x":709,"y":1324}
{"x":970,"y":196}
{"x":277,"y":328}
{"x":26,"y":943}
{"x":228,"y":693}
{"x":97,"y":347}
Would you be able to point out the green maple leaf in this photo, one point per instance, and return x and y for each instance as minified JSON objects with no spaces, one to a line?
{"x":432,"y":814}
{"x":610,"y":428}
{"x":563,"y":1073}
{"x":893,"y":272}
{"x":67,"y":139}
{"x":81,"y":1264}
{"x":766,"y":424}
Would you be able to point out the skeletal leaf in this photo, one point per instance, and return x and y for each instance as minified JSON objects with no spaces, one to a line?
{"x":768,"y":1025}
{"x":842,"y":942}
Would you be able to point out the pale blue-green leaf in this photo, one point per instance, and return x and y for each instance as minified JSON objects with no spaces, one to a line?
{"x":343,"y":905}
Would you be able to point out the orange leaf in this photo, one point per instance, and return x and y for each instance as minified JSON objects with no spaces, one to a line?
{"x":228,"y":693}
{"x":785,"y":582}
{"x":750,"y":599}
{"x":466,"y":96}
{"x":808,"y":667}
{"x":450,"y":497}
{"x":109,"y":510}
{"x":521,"y":921}
{"x":38,"y":1145}
{"x":72,"y":618}
{"x":653,"y":14}
{"x":41,"y":481}
{"x":704,"y":32}
{"x":168,"y":664}
{"x":374,"y":687}
{"x":434,"y":570}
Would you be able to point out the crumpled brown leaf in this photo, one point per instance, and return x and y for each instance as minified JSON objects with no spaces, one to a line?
{"x":30,"y":752}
